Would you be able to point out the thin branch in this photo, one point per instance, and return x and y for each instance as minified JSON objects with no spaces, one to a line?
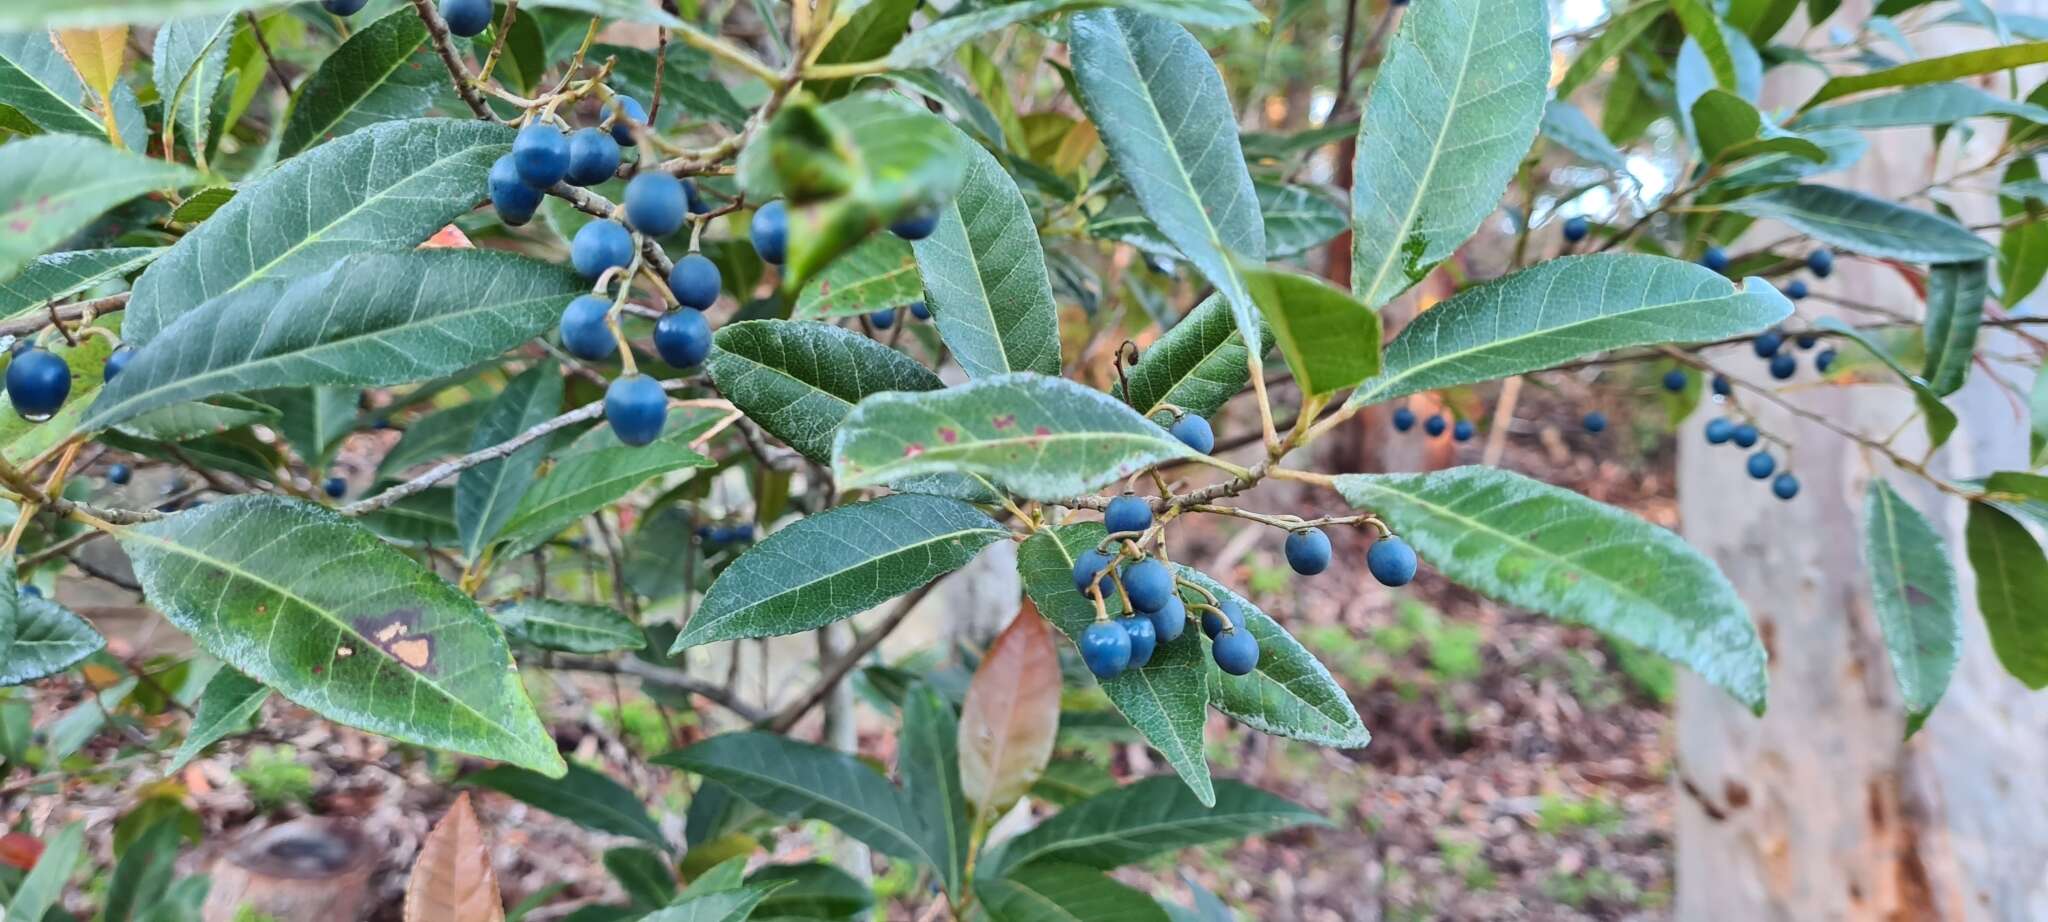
{"x":263,"y":45}
{"x":32,"y":323}
{"x":829,"y":676}
{"x":437,"y":30}
{"x":665,"y":676}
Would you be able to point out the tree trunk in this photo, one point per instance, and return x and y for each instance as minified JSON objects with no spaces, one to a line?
{"x":1820,"y":810}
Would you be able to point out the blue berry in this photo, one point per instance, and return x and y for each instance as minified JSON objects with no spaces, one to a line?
{"x":695,"y":281}
{"x":636,"y":407}
{"x":1719,"y":431}
{"x":116,"y":361}
{"x":1434,"y":425}
{"x":1786,"y":486}
{"x":920,"y":310}
{"x":682,"y":338}
{"x":1595,"y":422}
{"x":335,"y":487}
{"x":119,"y":475}
{"x":697,"y":203}
{"x":1127,"y":513}
{"x":629,"y":114}
{"x":1170,"y":620}
{"x":1086,"y":565}
{"x":770,"y":231}
{"x":1106,"y":648}
{"x":1212,"y":624}
{"x":541,"y":151}
{"x":37,"y":383}
{"x":1462,"y":431}
{"x":593,"y":157}
{"x":655,"y":204}
{"x":1761,"y":464}
{"x":515,"y":200}
{"x":1391,"y":561}
{"x":1148,"y":583}
{"x":1194,"y":432}
{"x":1767,"y":343}
{"x":1576,"y":229}
{"x":584,"y":331}
{"x":1796,"y":289}
{"x":1821,"y":263}
{"x":1715,"y":258}
{"x":1722,"y":387}
{"x":467,"y":18}
{"x":1144,"y":638}
{"x":1308,"y":551}
{"x":32,"y":592}
{"x":883,"y":319}
{"x":600,"y":245}
{"x":917,"y":225}
{"x":1404,"y":419}
{"x":1808,"y":340}
{"x":343,"y":7}
{"x":1674,"y":380}
{"x":1784,"y":365}
{"x":1236,"y":651}
{"x":1745,"y":436}
{"x":1824,"y":360}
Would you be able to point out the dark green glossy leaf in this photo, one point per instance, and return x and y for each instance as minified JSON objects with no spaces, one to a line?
{"x":143,"y":873}
{"x":1854,"y":221}
{"x":52,"y":186}
{"x":870,"y":32}
{"x":1452,"y":112}
{"x":1563,"y":309}
{"x":2012,"y":579}
{"x":1166,"y":700}
{"x":791,"y":778}
{"x":1288,"y":693}
{"x":486,"y":495}
{"x":225,"y":707}
{"x":47,"y":639}
{"x":383,"y":72}
{"x":721,"y":906}
{"x":1558,"y":553}
{"x":877,"y":275}
{"x":386,"y":188}
{"x":1934,"y":70}
{"x":1704,"y":28}
{"x":812,"y":890}
{"x":44,"y":884}
{"x":584,"y":796}
{"x":189,"y":61}
{"x":36,"y":81}
{"x":1129,"y":824}
{"x":1941,"y":421}
{"x":61,"y":275}
{"x":212,"y":416}
{"x":1053,"y":892}
{"x":1955,"y":309}
{"x":1914,"y":586}
{"x":838,"y":563}
{"x":2023,"y":244}
{"x":366,"y":321}
{"x":314,"y":419}
{"x":1297,"y":218}
{"x":424,"y":519}
{"x":371,"y":639}
{"x":984,"y":276}
{"x":1331,"y":341}
{"x":799,"y":379}
{"x":1198,"y":365}
{"x":643,"y":873}
{"x":931,"y":44}
{"x":1934,"y":104}
{"x":1039,"y":437}
{"x":929,"y":763}
{"x":570,"y":627}
{"x":599,"y":470}
{"x":1731,"y":129}
{"x":434,"y":436}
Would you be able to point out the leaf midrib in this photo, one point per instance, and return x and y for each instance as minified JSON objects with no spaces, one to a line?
{"x":883,"y":472}
{"x":1888,"y":518}
{"x":900,"y":836}
{"x":356,"y":102}
{"x":707,"y":617}
{"x":1132,"y":832}
{"x":49,"y":91}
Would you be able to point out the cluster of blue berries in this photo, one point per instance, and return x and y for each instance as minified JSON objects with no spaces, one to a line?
{"x":1770,"y":346}
{"x":38,"y":380}
{"x":1819,"y":262}
{"x":1435,"y":425}
{"x":1761,"y":464}
{"x":886,"y":317}
{"x":715,"y":537}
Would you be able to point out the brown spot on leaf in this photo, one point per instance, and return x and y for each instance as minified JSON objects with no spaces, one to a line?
{"x":1005,"y":421}
{"x":416,"y":652}
{"x":1041,"y":432}
{"x":393,"y":633}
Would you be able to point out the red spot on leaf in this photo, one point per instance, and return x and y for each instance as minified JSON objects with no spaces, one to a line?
{"x":1041,"y":432}
{"x":1005,"y":421}
{"x":913,"y":449}
{"x":948,"y":434}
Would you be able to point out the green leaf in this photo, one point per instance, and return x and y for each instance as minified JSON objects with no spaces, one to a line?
{"x":1933,"y":70}
{"x":1731,"y":129}
{"x":932,"y":44}
{"x":1297,"y":218}
{"x":984,"y":276}
{"x":1166,"y":700}
{"x":687,"y":88}
{"x":45,"y":883}
{"x":1165,"y":117}
{"x":52,"y":186}
{"x":1934,"y":104}
{"x":811,"y":890}
{"x":1053,"y":892}
{"x":48,"y":639}
{"x":2012,"y":579}
{"x":379,"y":74}
{"x":225,"y":707}
{"x":569,"y":627}
{"x":1198,"y":364}
{"x":385,"y":188}
{"x":182,"y":421}
{"x":1331,"y":341}
{"x":61,"y":275}
{"x":876,"y":275}
{"x":370,"y":639}
{"x":202,"y":204}
{"x":190,"y":59}
{"x":643,"y":873}
{"x":584,"y":796}
{"x":2022,"y":245}
{"x":1564,"y":309}
{"x":1941,"y":421}
{"x":838,"y":563}
{"x":1038,"y":437}
{"x":721,"y":906}
{"x":366,"y":321}
{"x":1555,"y":552}
{"x":315,"y":419}
{"x":1288,"y":693}
{"x":439,"y":434}
{"x":871,"y":30}
{"x":1914,"y":586}
{"x":38,"y":82}
{"x":425,"y":519}
{"x":2037,"y":402}
{"x":1842,"y":146}
{"x":1618,"y":34}
{"x":1570,"y":129}
{"x":1129,"y":824}
{"x":599,"y":470}
{"x":1854,"y":221}
{"x":790,"y":778}
{"x":1705,"y":28}
{"x":142,"y":873}
{"x":799,"y":379}
{"x":1955,"y":309}
{"x":1452,"y":112}
{"x":929,"y":763}
{"x":486,"y":495}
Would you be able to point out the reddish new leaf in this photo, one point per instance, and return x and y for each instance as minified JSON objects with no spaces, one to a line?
{"x":1011,"y":715}
{"x":452,"y":879}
